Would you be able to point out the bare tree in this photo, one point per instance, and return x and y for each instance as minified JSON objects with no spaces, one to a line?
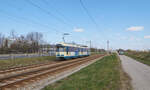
{"x":1,"y":41}
{"x":2,"y":38}
{"x":29,"y":43}
{"x":13,"y":34}
{"x":35,"y":38}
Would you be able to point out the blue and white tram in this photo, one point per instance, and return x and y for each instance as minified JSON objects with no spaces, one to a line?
{"x":67,"y":51}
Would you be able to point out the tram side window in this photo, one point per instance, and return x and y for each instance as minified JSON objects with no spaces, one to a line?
{"x":72,"y":50}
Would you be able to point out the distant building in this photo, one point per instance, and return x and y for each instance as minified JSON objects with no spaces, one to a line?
{"x":10,"y":42}
{"x":6,"y":42}
{"x":52,"y":50}
{"x":49,"y":49}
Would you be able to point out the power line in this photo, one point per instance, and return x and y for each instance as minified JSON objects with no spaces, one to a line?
{"x":47,"y":12}
{"x":28,"y":20}
{"x":61,"y":14}
{"x":10,"y":17}
{"x":89,"y":15}
{"x":107,"y":45}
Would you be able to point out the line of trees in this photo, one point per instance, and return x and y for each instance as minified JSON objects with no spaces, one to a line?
{"x":98,"y":50}
{"x":29,"y":43}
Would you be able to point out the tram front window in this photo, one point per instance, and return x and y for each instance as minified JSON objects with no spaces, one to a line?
{"x":60,"y":49}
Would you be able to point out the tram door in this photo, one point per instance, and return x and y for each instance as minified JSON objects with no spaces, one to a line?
{"x":67,"y":50}
{"x":76,"y":52}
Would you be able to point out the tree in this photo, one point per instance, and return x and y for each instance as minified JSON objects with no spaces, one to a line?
{"x":13,"y":34}
{"x":2,"y":38}
{"x":29,"y":43}
{"x":35,"y":39}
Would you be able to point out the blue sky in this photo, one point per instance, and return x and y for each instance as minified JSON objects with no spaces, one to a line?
{"x":125,"y":23}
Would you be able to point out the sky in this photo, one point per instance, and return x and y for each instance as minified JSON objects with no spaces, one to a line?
{"x":125,"y":23}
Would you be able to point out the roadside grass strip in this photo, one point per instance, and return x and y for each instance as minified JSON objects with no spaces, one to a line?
{"x":143,"y":57}
{"x":5,"y":64}
{"x":104,"y":74}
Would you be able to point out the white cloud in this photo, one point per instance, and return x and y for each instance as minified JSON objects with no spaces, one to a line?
{"x":79,"y":30}
{"x":135,"y":28}
{"x":147,"y":37}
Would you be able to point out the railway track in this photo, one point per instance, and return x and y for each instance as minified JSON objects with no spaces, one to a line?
{"x":25,"y":69}
{"x":21,"y":79}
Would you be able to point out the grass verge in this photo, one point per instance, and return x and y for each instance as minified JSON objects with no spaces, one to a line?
{"x":5,"y":64}
{"x":125,"y":80}
{"x":141,"y":56}
{"x":101,"y":75}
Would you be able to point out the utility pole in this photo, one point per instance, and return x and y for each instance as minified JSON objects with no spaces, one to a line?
{"x":64,"y":36}
{"x":108,"y":46}
{"x":90,"y":44}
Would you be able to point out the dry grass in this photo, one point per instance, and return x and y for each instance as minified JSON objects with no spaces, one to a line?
{"x":141,"y":56}
{"x":125,"y":80}
{"x":5,"y":64}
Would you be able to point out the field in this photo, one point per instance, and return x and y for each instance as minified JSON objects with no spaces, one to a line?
{"x":141,"y":56}
{"x":105,"y":74}
{"x":4,"y":64}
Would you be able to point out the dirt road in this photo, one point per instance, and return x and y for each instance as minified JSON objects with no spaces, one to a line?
{"x":139,"y":73}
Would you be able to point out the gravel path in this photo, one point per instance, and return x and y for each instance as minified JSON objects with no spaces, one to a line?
{"x":139,"y":73}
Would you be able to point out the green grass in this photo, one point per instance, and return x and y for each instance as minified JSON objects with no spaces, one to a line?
{"x":143,"y":57}
{"x":5,"y":64}
{"x":93,"y":53}
{"x":101,"y":75}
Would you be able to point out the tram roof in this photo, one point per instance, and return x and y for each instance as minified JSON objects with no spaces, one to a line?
{"x":71,"y":45}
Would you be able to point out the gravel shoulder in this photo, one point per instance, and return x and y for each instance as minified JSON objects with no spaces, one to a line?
{"x":139,"y":73}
